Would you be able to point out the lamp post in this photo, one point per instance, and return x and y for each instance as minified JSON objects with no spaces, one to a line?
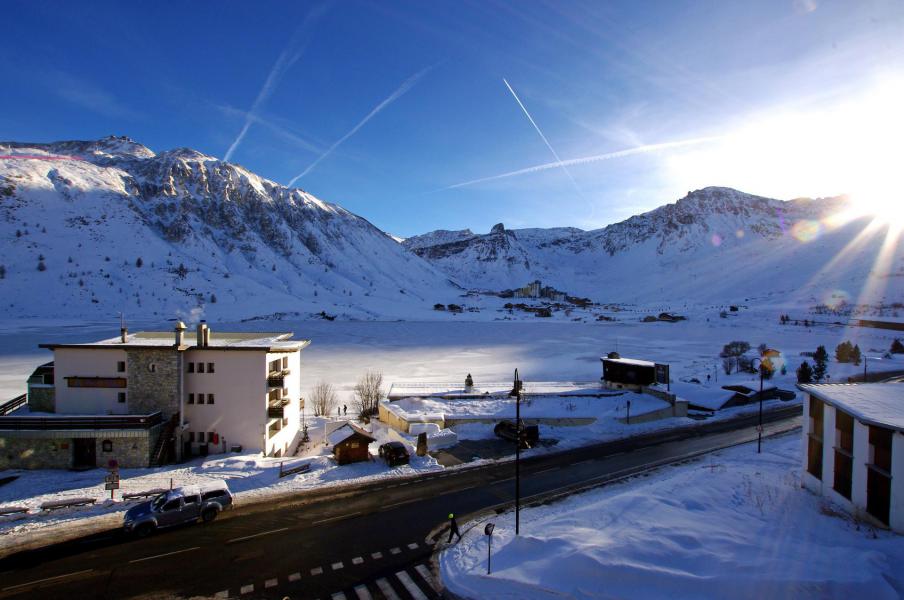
{"x":517,"y":390}
{"x":759,"y":428}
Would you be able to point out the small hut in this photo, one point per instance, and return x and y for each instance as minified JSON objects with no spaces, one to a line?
{"x":350,"y":444}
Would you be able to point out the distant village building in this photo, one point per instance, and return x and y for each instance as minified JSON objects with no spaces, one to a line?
{"x":853,"y":448}
{"x":153,"y":397}
{"x":350,"y":444}
{"x":536,"y":290}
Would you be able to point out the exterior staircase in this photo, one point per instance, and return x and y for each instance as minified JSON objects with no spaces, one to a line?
{"x":164,"y":451}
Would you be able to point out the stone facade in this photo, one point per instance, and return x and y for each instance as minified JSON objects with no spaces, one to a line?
{"x":41,"y":398}
{"x":54,"y":449}
{"x":153,"y":375}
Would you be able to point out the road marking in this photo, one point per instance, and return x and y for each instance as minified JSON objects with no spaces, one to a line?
{"x":270,"y":583}
{"x":247,"y":589}
{"x":584,"y":462}
{"x":395,"y":550}
{"x":338,"y":596}
{"x":398,"y":504}
{"x":294,"y":576}
{"x":363,"y":593}
{"x":376,"y":555}
{"x":409,"y":584}
{"x":357,"y":560}
{"x":412,"y":546}
{"x":336,"y":518}
{"x":387,"y":589}
{"x":317,"y":571}
{"x":337,"y":565}
{"x":221,"y":595}
{"x":248,"y":537}
{"x":427,"y":575}
{"x":166,"y":554}
{"x":406,"y":483}
{"x":13,"y":587}
{"x":547,"y":470}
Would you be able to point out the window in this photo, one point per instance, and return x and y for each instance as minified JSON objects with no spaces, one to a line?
{"x":200,"y":367}
{"x":814,"y":438}
{"x":121,"y":366}
{"x":171,"y":505}
{"x":285,"y":362}
{"x":210,"y":367}
{"x":191,"y":398}
{"x":192,"y":499}
{"x":209,"y":436}
{"x":213,"y":494}
{"x":210,"y":398}
{"x":121,"y":397}
{"x":191,"y":437}
{"x":191,"y":367}
{"x":106,"y":446}
{"x":152,"y":367}
{"x":200,"y":398}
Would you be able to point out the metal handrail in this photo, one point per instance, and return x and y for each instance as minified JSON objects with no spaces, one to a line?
{"x":79,"y":422}
{"x":11,"y":405}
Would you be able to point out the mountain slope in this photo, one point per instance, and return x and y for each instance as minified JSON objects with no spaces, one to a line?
{"x":120,"y":228}
{"x":714,"y":245}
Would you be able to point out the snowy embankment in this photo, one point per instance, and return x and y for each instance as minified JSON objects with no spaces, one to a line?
{"x":733,"y":524}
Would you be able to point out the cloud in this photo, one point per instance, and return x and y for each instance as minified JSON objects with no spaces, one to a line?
{"x":587,"y":159}
{"x":89,"y":96}
{"x":288,"y":57}
{"x":400,"y":91}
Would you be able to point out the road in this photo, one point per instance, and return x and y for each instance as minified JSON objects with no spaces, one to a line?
{"x":368,"y":545}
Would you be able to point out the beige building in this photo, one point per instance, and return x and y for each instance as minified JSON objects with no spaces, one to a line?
{"x":853,"y":448}
{"x":154,"y":397}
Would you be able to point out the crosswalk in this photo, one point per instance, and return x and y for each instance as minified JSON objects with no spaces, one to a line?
{"x":406,"y":582}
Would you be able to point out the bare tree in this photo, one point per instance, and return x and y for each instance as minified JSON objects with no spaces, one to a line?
{"x":323,"y":399}
{"x":368,"y":392}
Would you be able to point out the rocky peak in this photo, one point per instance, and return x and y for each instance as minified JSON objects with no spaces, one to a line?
{"x":498,"y":228}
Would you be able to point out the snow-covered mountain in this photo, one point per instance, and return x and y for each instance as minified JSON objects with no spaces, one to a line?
{"x":715,"y":244}
{"x":92,"y":228}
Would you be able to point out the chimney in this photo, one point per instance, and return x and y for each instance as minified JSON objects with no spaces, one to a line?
{"x":206,"y":335}
{"x":123,"y":333}
{"x":180,"y":329}
{"x":200,"y":331}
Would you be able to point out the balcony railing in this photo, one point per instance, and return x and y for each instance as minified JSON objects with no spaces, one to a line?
{"x":276,"y":409}
{"x":82,"y":422}
{"x":277,"y":378}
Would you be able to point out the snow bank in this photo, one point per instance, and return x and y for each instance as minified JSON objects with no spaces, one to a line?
{"x":732,"y":525}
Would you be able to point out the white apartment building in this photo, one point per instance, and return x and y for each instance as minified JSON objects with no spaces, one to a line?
{"x":152,"y":397}
{"x":853,"y":448}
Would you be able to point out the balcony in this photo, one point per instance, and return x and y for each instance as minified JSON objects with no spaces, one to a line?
{"x":276,"y":379}
{"x":276,"y":408}
{"x":64,"y":421}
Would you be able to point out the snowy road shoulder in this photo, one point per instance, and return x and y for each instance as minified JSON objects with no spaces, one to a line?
{"x":732,"y":524}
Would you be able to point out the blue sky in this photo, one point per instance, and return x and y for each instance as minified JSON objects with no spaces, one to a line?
{"x":772,"y":97}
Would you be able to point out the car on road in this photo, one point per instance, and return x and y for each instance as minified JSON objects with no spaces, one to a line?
{"x":179,"y":506}
{"x":394,"y":453}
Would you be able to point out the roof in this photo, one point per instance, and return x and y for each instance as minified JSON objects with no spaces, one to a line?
{"x":629,"y":361}
{"x":879,"y":404}
{"x":219,"y":340}
{"x":346,"y":431}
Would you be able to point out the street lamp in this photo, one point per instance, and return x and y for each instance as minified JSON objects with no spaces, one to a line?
{"x":865,"y":359}
{"x":759,"y":428}
{"x":517,"y":390}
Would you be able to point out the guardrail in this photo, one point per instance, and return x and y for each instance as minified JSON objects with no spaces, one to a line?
{"x":11,"y":405}
{"x":82,"y":422}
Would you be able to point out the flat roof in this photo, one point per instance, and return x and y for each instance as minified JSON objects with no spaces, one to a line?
{"x":629,"y":361}
{"x":219,"y":340}
{"x":879,"y":404}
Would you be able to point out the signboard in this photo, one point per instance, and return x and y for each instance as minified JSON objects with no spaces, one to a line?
{"x":111,"y":486}
{"x":662,"y":374}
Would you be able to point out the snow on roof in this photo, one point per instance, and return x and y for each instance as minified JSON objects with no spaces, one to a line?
{"x":346,"y":431}
{"x":872,"y":403}
{"x":629,"y":361}
{"x":218,"y":340}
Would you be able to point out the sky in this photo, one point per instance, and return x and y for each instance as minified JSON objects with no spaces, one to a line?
{"x":452,"y":115}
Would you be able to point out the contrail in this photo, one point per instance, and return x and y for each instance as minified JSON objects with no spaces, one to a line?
{"x":588,"y":159}
{"x":402,"y":89}
{"x":543,"y":137}
{"x":288,"y":57}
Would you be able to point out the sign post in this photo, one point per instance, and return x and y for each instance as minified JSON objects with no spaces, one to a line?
{"x":488,"y":531}
{"x":111,"y":481}
{"x":662,"y":376}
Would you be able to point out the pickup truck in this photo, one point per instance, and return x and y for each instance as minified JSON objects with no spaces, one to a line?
{"x":530,"y":434}
{"x":175,"y":507}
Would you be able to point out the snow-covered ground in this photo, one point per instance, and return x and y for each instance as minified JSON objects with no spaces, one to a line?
{"x":731,"y":525}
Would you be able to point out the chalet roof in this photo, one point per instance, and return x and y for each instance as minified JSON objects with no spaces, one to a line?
{"x":629,"y":361}
{"x":346,"y":431}
{"x":879,"y":404}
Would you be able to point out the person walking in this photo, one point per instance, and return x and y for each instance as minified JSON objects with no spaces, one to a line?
{"x":453,"y":528}
{"x":344,"y":409}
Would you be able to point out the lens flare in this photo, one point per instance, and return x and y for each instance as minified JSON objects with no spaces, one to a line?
{"x":716,"y":240}
{"x":806,"y":230}
{"x":739,"y":233}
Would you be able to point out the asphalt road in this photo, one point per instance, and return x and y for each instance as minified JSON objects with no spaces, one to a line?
{"x":371,"y":544}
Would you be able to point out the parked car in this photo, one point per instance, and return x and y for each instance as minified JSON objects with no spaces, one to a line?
{"x":394,"y":453}
{"x":178,"y":506}
{"x":530,"y":434}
